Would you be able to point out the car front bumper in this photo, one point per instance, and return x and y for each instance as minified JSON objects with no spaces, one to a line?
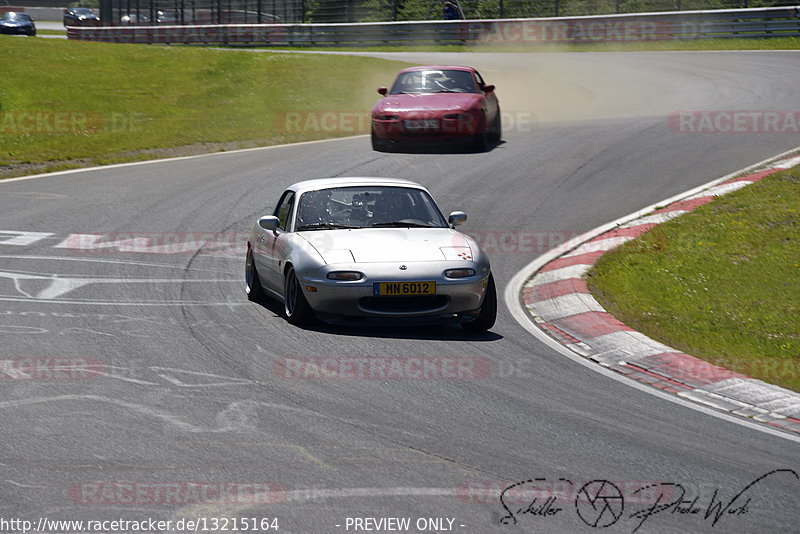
{"x":454,"y":299}
{"x":16,"y":30}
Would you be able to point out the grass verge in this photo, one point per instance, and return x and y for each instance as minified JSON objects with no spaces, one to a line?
{"x":720,"y":283}
{"x":66,"y":104}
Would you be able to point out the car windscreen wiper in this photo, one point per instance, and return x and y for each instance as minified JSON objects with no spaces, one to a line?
{"x":324,"y":226}
{"x":400,"y":224}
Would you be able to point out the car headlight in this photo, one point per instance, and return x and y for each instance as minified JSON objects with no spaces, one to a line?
{"x":350,"y":276}
{"x":459,"y":273}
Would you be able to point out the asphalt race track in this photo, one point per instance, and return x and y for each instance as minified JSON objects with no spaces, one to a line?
{"x":190,"y":390}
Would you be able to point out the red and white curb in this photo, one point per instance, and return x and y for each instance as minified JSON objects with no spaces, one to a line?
{"x":558,"y":300}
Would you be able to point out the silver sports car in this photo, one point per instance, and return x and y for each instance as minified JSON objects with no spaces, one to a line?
{"x":366,"y":249}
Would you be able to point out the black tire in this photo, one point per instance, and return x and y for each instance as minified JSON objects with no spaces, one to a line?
{"x":488,"y":312}
{"x":482,"y":141}
{"x":295,"y":306}
{"x":378,"y":144}
{"x":497,"y":127}
{"x":252,"y":283}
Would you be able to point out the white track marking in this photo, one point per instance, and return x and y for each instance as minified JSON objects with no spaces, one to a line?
{"x":165,"y":160}
{"x":722,"y":189}
{"x":566,"y":306}
{"x":164,"y":303}
{"x":235,"y":417}
{"x":168,"y":374}
{"x":601,"y":245}
{"x":658,"y":218}
{"x":113,"y":262}
{"x":564,"y":273}
{"x":62,"y":285}
{"x":788,"y":164}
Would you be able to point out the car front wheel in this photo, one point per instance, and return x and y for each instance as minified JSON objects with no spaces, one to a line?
{"x":482,"y":141}
{"x":252,"y":283}
{"x":378,"y":144}
{"x":497,"y":127}
{"x":295,"y":306}
{"x":488,"y":312}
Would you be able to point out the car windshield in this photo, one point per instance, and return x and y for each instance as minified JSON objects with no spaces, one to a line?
{"x":434,"y":81}
{"x":83,"y":11}
{"x":16,"y":17}
{"x":367,"y":207}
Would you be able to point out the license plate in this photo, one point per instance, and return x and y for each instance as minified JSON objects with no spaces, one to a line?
{"x":400,"y":289}
{"x":422,"y":124}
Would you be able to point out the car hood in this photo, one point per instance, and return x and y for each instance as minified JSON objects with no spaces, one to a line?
{"x":429,"y":102}
{"x":375,"y":245}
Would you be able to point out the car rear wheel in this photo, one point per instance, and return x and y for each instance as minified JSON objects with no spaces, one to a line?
{"x":295,"y":306}
{"x":252,"y":282}
{"x":488,"y":311}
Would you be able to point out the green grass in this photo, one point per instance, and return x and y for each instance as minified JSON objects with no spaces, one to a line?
{"x":721,"y":283}
{"x":129,"y":102}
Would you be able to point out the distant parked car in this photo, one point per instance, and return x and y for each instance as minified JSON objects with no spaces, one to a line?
{"x":167,"y":17}
{"x":17,"y":24}
{"x":132,"y":19}
{"x":80,"y":16}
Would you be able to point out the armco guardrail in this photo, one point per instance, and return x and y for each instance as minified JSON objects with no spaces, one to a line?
{"x":760,"y":22}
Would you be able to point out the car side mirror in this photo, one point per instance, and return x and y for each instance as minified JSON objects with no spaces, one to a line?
{"x":382,"y":91}
{"x":268,"y":222}
{"x":456,"y":218}
{"x":488,"y":88}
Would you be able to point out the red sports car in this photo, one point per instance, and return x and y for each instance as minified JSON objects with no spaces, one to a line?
{"x":436,"y":103}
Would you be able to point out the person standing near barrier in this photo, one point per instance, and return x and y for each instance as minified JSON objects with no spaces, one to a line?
{"x":451,"y":11}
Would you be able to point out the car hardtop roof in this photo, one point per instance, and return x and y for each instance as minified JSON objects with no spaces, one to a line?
{"x":328,"y":183}
{"x":439,"y":67}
